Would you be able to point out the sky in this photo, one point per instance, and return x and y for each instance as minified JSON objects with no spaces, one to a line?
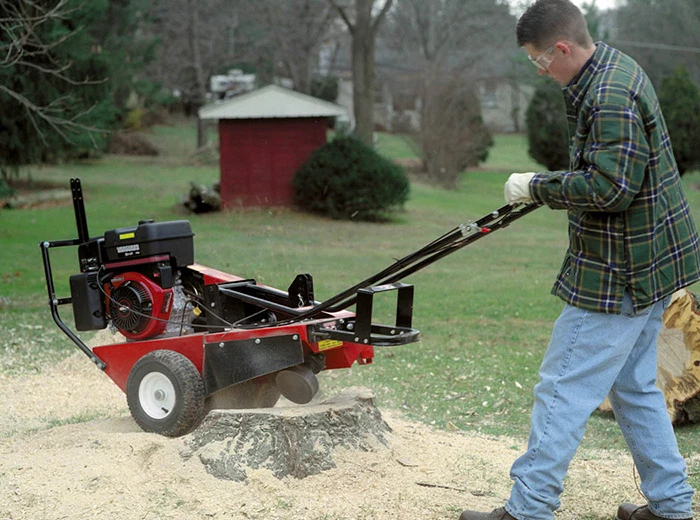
{"x":600,"y":4}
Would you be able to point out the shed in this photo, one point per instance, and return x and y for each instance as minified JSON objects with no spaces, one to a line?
{"x":264,"y":137}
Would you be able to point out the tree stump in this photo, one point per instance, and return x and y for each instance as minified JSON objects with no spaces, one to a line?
{"x":679,"y":359}
{"x":297,"y":441}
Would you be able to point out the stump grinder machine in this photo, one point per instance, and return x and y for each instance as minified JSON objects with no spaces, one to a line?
{"x":197,"y":338}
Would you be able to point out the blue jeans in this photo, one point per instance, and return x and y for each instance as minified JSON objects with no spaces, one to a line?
{"x":591,"y":355}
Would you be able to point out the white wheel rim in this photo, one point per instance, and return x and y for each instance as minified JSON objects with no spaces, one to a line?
{"x":156,"y":395}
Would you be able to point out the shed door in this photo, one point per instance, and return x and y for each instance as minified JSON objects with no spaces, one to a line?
{"x":259,"y":158}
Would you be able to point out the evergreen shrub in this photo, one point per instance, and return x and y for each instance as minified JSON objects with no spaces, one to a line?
{"x":325,"y":87}
{"x":679,"y":98}
{"x":345,"y":179}
{"x":6,"y":190}
{"x":547,"y":131}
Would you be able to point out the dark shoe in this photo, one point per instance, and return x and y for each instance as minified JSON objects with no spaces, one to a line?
{"x":496,"y":514}
{"x":634,"y":512}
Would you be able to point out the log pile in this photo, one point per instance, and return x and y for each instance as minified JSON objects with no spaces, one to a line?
{"x":679,"y":359}
{"x":202,"y":198}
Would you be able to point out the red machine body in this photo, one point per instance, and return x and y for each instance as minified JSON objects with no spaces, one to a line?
{"x":121,"y":357}
{"x":197,"y":338}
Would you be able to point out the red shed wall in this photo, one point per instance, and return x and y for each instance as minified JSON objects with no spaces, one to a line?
{"x":258,"y":158}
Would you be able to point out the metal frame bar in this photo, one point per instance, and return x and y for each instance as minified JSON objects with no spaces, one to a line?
{"x":254,"y":300}
{"x":54,"y":302}
{"x":365,"y":305}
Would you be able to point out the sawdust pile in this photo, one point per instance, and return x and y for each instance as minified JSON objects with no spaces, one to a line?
{"x":69,"y":449}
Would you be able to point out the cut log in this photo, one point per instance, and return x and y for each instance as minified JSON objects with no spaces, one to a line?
{"x":678,"y":374}
{"x":296,"y":440}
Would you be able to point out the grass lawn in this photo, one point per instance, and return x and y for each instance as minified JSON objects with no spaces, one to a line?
{"x":485,"y":313}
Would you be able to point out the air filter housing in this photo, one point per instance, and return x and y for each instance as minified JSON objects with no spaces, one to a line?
{"x":149,"y":238}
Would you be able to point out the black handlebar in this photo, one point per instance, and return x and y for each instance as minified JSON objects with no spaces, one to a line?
{"x":453,"y":240}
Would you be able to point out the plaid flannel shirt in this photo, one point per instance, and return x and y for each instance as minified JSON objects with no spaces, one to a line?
{"x":630,"y":227}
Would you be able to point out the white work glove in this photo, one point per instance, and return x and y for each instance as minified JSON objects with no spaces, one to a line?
{"x":517,"y":188}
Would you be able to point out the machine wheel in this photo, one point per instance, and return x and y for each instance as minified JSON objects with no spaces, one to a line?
{"x":261,"y":392}
{"x":165,"y":393}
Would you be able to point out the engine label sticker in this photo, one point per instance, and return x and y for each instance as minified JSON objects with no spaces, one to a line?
{"x":125,"y":236}
{"x":129,"y":250}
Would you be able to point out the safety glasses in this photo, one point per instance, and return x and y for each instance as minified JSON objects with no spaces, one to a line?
{"x":544,"y":60}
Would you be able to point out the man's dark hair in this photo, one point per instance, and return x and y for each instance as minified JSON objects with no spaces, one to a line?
{"x":547,"y":21}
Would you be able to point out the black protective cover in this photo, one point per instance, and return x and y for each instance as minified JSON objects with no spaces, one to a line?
{"x":230,"y":362}
{"x":174,"y":238}
{"x":87,"y":301}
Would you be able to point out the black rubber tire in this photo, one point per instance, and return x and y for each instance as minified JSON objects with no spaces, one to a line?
{"x":184,"y":393}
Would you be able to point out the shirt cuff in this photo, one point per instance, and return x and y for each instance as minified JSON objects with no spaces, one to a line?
{"x":537,"y":186}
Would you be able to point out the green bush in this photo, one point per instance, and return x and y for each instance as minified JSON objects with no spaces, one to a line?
{"x":6,"y":190}
{"x":345,"y":179}
{"x":325,"y":87}
{"x":679,"y":98}
{"x":547,"y":132}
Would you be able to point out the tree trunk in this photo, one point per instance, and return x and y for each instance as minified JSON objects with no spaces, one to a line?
{"x":364,"y":32}
{"x":679,"y":359}
{"x":363,"y":72}
{"x":300,"y":72}
{"x":200,"y":87}
{"x":202,"y":139}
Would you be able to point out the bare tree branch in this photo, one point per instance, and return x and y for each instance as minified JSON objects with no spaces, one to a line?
{"x":381,"y":15}
{"x":344,"y":16}
{"x":21,"y":23}
{"x":58,"y":73}
{"x":21,"y":26}
{"x":53,"y":114}
{"x":316,"y":35}
{"x":297,"y":28}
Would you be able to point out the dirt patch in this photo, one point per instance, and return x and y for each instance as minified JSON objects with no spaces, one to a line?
{"x":69,"y":449}
{"x":27,"y":193}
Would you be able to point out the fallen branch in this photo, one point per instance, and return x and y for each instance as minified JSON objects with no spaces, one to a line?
{"x":441,"y":486}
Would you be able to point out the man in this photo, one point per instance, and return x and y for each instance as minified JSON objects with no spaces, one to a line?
{"x":632,"y":243}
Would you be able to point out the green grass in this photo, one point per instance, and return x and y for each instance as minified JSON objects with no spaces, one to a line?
{"x":395,"y":146}
{"x":177,"y":140}
{"x":508,"y":155}
{"x":485,"y":313}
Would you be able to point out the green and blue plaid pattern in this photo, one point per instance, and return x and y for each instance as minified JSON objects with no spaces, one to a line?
{"x":630,"y":226}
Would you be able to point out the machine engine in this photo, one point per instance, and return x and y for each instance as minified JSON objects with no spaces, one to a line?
{"x":138,"y":307}
{"x":127,"y":278}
